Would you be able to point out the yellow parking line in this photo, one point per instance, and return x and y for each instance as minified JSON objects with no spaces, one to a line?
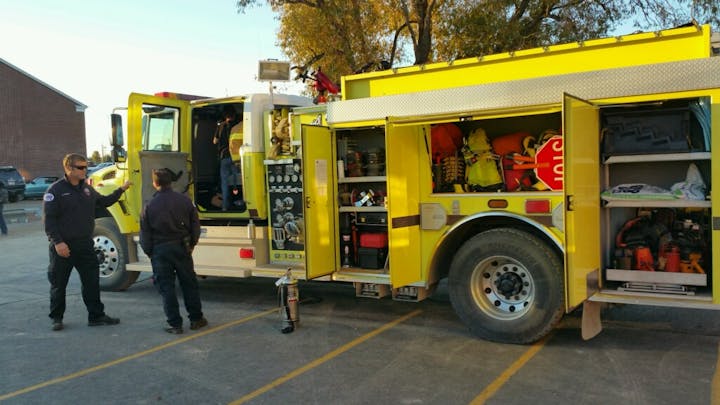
{"x":324,"y":358}
{"x":509,"y":372}
{"x":134,"y":356}
{"x":715,"y":388}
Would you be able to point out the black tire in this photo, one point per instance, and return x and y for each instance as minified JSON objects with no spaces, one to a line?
{"x":111,"y":250}
{"x":507,"y":286}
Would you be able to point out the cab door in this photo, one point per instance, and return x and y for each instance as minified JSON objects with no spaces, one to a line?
{"x":318,"y":199}
{"x":581,"y":132}
{"x":158,"y":137}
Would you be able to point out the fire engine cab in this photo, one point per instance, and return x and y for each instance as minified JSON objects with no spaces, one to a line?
{"x":534,"y":182}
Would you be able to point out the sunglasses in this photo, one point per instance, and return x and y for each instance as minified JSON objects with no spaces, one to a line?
{"x":80,"y":167}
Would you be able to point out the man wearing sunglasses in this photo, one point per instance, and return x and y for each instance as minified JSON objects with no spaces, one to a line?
{"x":69,"y":216}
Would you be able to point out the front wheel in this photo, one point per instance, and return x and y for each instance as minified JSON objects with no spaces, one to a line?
{"x":111,"y":251}
{"x":507,"y":286}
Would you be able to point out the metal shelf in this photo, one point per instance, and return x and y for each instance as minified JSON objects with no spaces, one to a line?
{"x":658,"y":157}
{"x":362,"y":209}
{"x":363,"y":179}
{"x":658,"y":203}
{"x":659,"y":277}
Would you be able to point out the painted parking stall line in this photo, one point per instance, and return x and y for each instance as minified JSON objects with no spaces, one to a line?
{"x":327,"y":357}
{"x":715,"y":387}
{"x":125,"y":359}
{"x":505,"y":376}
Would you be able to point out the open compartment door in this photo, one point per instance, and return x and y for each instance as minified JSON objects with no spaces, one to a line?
{"x":581,"y":133}
{"x":403,"y":188}
{"x":318,"y":200}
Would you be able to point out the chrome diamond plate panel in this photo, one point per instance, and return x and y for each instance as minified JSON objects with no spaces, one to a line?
{"x":637,"y":80}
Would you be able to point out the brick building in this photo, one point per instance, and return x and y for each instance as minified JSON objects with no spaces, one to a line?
{"x":38,"y":123}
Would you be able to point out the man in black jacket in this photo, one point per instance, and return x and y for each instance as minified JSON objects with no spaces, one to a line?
{"x":169,"y":231}
{"x":69,"y":217}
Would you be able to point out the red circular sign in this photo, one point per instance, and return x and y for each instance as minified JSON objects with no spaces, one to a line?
{"x":549,"y":161}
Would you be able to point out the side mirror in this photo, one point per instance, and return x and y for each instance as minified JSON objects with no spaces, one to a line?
{"x":117,"y":139}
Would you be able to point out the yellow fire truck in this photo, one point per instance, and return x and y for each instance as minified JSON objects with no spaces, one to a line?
{"x":534,"y":181}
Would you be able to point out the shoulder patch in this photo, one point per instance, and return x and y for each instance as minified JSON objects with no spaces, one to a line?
{"x":48,"y":197}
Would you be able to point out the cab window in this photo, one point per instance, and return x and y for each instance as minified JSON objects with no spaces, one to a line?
{"x":160,"y":128}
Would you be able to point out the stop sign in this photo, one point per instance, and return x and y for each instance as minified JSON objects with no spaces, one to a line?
{"x":549,"y":163}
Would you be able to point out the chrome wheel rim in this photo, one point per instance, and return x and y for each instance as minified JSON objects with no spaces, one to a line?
{"x":107,"y":256}
{"x":502,"y":287}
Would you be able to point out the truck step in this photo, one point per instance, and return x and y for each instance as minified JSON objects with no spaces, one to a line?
{"x":410,"y":294}
{"x":371,"y":290}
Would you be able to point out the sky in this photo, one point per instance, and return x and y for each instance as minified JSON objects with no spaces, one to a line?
{"x":99,"y":51}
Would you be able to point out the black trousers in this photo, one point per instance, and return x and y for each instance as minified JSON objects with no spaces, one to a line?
{"x":83,"y":259}
{"x":168,"y":261}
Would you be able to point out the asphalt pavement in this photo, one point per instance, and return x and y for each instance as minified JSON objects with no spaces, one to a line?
{"x":346,"y":350}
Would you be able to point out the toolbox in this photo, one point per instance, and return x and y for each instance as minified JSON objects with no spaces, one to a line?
{"x":373,"y":240}
{"x":372,"y":218}
{"x":372,"y":258}
{"x":651,"y":130}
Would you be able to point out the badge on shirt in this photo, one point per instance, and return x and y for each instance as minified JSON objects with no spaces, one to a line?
{"x":86,"y":191}
{"x":48,"y":197}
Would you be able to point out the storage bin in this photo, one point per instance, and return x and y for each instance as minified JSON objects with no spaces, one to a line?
{"x":645,"y":130}
{"x":373,"y":240}
{"x":372,"y":258}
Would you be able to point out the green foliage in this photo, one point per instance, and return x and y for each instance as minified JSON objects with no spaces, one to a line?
{"x":345,"y":36}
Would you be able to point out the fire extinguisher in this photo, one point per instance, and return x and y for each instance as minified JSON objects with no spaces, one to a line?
{"x":289,"y":296}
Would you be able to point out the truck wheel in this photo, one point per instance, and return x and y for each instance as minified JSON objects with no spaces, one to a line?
{"x":111,"y":251}
{"x":507,"y":286}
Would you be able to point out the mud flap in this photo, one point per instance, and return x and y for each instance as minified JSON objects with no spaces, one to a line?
{"x":591,"y":324}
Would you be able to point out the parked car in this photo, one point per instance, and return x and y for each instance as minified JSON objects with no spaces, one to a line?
{"x":98,"y":166}
{"x":36,"y":187}
{"x":13,"y":181}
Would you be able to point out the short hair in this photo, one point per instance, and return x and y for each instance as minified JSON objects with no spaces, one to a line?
{"x":71,"y":158}
{"x":229,"y":110}
{"x":162,"y":177}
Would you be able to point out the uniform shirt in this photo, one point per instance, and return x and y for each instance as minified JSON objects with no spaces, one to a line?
{"x":69,"y":211}
{"x":168,"y":217}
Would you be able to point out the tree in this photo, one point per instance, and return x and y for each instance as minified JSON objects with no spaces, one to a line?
{"x":339,"y":36}
{"x":95,"y":157}
{"x":348,"y":36}
{"x":469,"y":29}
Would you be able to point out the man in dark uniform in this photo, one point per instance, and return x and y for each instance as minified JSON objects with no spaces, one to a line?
{"x":69,"y":216}
{"x":169,"y":231}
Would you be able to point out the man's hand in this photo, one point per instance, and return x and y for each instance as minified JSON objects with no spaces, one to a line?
{"x":62,"y":249}
{"x":126,"y":185}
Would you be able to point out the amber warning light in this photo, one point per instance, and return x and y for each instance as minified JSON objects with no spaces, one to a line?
{"x":179,"y":96}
